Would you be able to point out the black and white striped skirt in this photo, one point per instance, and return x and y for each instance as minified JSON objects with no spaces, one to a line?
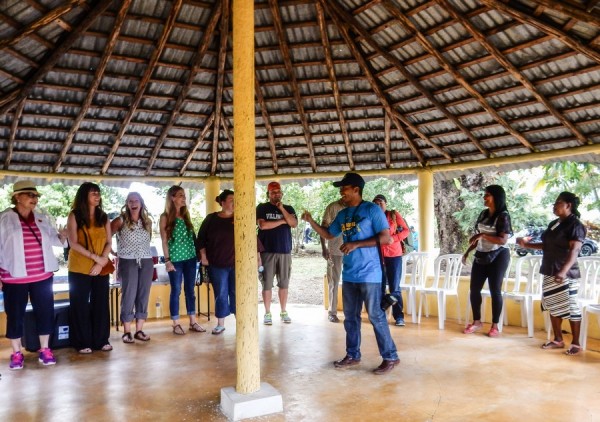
{"x":560,"y":299}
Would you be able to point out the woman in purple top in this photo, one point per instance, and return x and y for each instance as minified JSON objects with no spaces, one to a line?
{"x":561,"y":243}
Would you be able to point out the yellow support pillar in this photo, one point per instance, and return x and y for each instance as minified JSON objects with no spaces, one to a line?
{"x":212,"y":189}
{"x":244,"y":164}
{"x":426,"y":214}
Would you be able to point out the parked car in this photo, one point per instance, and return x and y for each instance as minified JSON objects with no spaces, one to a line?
{"x":588,"y":248}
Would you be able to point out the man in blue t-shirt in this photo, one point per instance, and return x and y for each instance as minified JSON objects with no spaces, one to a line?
{"x":275,"y":222}
{"x":360,"y":223}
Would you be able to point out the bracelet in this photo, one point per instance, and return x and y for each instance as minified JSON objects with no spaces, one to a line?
{"x":167,"y":260}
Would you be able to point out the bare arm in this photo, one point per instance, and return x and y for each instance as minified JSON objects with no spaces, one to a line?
{"x":530,"y":245}
{"x":384,"y":239}
{"x":165,"y":243}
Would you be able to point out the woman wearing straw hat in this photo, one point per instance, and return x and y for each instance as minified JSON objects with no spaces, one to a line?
{"x":27,"y":263}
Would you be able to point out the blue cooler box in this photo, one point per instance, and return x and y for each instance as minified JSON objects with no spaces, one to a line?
{"x":58,"y":339}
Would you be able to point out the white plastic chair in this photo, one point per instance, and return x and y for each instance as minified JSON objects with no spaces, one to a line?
{"x":485,"y":293}
{"x":589,"y":293}
{"x":526,"y":290}
{"x":445,"y":283}
{"x":413,"y":279}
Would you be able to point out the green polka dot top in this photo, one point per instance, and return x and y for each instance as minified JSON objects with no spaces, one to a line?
{"x":181,"y":244}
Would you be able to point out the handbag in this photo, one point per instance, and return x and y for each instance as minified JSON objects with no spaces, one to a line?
{"x":486,"y":258}
{"x":387,"y":299}
{"x":109,"y":268}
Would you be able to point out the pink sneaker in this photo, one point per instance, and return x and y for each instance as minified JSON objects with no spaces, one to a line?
{"x":16,"y":361}
{"x":46,"y":357}
{"x":493,"y":332}
{"x":471,"y":328}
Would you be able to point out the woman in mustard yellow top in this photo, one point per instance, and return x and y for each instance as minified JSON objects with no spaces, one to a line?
{"x":89,"y":233}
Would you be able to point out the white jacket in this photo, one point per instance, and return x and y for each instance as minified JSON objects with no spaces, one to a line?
{"x":12,"y":253}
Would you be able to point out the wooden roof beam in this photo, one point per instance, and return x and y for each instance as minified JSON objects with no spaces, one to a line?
{"x":41,"y":22}
{"x":187,"y":85}
{"x":387,"y":139}
{"x":507,"y":64}
{"x":160,"y":45}
{"x":108,"y":49}
{"x":422,"y":39}
{"x":571,"y":11}
{"x":198,"y":142}
{"x":224,"y":32}
{"x":396,"y":116}
{"x":60,"y":22}
{"x":285,"y":52}
{"x":13,"y":133}
{"x":528,"y":19}
{"x":334,"y":85}
{"x":11,"y":99}
{"x":15,"y":24}
{"x":267,"y":122}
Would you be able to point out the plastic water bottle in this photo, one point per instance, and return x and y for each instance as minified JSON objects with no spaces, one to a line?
{"x":158,"y":307}
{"x":1,"y":301}
{"x":261,"y":274}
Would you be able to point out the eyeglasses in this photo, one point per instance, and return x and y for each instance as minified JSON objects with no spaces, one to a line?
{"x":31,"y":194}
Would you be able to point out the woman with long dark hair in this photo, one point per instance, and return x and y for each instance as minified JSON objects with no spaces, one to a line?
{"x":89,"y":233}
{"x":492,"y":257}
{"x":177,"y":234}
{"x":133,"y":229}
{"x":561,"y":243}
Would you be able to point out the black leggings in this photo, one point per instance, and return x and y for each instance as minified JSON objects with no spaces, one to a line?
{"x":494,"y":273}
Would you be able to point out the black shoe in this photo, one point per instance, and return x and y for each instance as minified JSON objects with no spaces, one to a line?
{"x":386,"y":366}
{"x":346,"y":362}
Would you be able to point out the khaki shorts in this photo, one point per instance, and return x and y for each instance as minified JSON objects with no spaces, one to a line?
{"x":279,"y":264}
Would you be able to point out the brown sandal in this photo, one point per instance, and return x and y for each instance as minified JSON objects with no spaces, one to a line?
{"x":127,"y":338}
{"x":140,"y":335}
{"x":178,"y":330}
{"x":197,"y":328}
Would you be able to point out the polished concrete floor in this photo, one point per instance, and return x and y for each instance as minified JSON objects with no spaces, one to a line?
{"x":444,"y":376}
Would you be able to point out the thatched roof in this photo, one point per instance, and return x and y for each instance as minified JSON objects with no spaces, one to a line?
{"x":144,"y":87}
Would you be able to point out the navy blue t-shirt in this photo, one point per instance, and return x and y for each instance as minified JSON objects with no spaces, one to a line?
{"x":279,"y":239}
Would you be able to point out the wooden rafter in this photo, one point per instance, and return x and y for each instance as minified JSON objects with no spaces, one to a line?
{"x":295,"y":87}
{"x":224,"y":29}
{"x":108,"y":49}
{"x":528,"y":19}
{"x":512,"y":69}
{"x":60,"y":22}
{"x":387,"y":139}
{"x":266,"y":121}
{"x":197,"y":144}
{"x":396,"y":116}
{"x":160,"y":45}
{"x":185,"y":89}
{"x":41,"y":22}
{"x":448,"y":67}
{"x":11,"y":99}
{"x":225,"y":127}
{"x":571,"y":11}
{"x":13,"y":133}
{"x":15,"y":24}
{"x":334,"y":84}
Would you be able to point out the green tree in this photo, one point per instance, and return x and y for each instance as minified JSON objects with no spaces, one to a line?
{"x":582,"y":179}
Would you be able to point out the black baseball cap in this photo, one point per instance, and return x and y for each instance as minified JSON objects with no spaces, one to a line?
{"x":351,"y":179}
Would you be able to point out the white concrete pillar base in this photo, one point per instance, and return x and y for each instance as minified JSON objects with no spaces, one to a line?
{"x":238,"y":406}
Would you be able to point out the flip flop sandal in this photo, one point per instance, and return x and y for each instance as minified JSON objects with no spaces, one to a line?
{"x":106,"y":348}
{"x":178,"y":330}
{"x":127,"y":338}
{"x":573,"y":350}
{"x":140,"y":335}
{"x":197,"y":328}
{"x":218,"y":329}
{"x":85,"y":351}
{"x":554,"y":345}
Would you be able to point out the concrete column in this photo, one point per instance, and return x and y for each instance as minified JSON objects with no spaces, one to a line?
{"x":212,"y":189}
{"x":426,"y":214}
{"x":244,"y":164}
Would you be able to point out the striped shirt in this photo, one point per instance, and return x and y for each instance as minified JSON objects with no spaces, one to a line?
{"x":34,"y":258}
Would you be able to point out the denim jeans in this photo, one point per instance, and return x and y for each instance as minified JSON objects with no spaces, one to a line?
{"x":223,"y":281}
{"x":353,"y":295}
{"x":187,"y":271}
{"x":393,"y":271}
